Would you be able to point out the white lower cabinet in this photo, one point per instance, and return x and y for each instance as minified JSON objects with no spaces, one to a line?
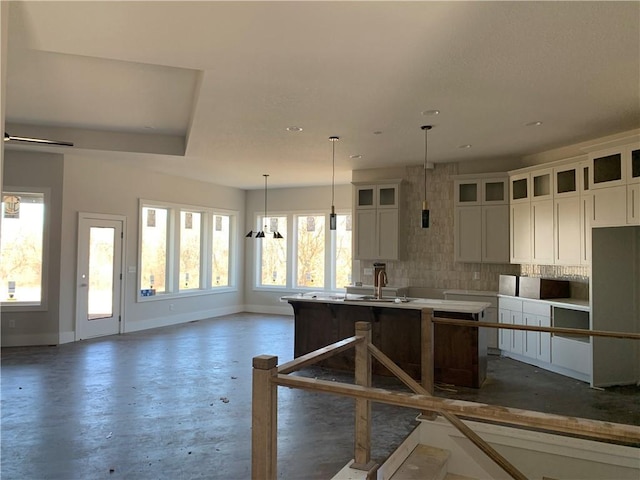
{"x":561,"y":354}
{"x":538,"y":344}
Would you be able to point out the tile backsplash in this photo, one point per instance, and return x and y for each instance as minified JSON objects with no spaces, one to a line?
{"x":429,"y":255}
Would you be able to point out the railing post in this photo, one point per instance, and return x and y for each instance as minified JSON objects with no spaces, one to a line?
{"x":362,"y":456}
{"x":264,"y":419}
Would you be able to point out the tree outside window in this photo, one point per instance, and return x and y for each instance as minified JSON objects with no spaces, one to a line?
{"x":21,"y":248}
{"x":273,"y":253}
{"x":342,"y":255}
{"x":310,"y":248}
{"x":220,"y":260}
{"x":190,"y":227}
{"x":153,"y":262}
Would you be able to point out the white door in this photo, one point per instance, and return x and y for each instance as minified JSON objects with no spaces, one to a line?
{"x":99,"y":280}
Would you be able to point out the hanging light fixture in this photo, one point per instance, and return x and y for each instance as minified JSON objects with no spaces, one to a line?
{"x":333,"y":221}
{"x":261,"y":233}
{"x":425,"y":210}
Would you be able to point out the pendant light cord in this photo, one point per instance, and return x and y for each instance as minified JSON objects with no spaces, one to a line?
{"x":265,"y":200}
{"x":333,"y":172}
{"x":426,"y":145}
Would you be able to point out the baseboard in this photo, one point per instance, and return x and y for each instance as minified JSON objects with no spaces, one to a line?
{"x":136,"y":326}
{"x":29,"y":340}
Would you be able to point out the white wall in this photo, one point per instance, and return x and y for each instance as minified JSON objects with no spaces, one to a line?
{"x":100,"y":186}
{"x":283,"y":200}
{"x":44,"y":170}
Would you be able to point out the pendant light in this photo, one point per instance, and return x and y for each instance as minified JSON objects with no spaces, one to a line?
{"x":261,"y":233}
{"x":425,"y":210}
{"x":333,"y":221}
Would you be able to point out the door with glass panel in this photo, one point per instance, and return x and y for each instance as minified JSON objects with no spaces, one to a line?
{"x":99,"y":280}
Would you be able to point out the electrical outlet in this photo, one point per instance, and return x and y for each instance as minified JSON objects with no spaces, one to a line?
{"x":368,"y":271}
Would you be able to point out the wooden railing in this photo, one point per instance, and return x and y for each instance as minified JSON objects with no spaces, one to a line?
{"x":267,"y":376}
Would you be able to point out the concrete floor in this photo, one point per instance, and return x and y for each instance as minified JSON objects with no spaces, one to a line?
{"x":175,"y":403}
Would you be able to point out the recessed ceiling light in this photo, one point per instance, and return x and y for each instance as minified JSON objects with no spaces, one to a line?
{"x":464,"y":146}
{"x":378,"y":132}
{"x":294,"y":129}
{"x":355,"y":156}
{"x":428,"y":113}
{"x":533,"y":124}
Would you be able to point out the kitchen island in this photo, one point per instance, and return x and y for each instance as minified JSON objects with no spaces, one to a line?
{"x":460,"y":353}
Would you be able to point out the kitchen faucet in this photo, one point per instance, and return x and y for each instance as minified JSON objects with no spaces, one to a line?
{"x":382,"y":281}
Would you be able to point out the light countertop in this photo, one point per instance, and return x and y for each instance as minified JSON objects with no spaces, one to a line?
{"x":412,"y":303}
{"x":569,"y":303}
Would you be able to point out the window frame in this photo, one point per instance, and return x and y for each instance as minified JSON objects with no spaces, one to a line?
{"x":172,"y":274}
{"x":43,"y":305}
{"x":291,"y":239}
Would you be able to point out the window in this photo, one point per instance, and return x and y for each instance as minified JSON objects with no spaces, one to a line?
{"x":153,"y":261}
{"x":21,"y":249}
{"x":221,"y":240}
{"x":310,"y":243}
{"x":309,"y":257}
{"x":273,"y":253}
{"x":185,"y":250}
{"x":190,"y":223}
{"x":342,"y":256}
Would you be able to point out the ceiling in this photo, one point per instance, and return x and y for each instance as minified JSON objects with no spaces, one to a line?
{"x":207,"y":90}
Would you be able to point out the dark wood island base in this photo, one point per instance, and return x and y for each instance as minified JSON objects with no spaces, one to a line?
{"x":460,"y":353}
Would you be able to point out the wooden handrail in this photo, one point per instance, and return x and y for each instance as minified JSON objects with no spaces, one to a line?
{"x":566,"y":331}
{"x":268,"y":376}
{"x":455,"y":421}
{"x":581,"y":427}
{"x":318,"y":355}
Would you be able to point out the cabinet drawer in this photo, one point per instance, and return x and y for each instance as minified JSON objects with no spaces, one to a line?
{"x":512,"y":304}
{"x":572,"y":354}
{"x":543,"y":309}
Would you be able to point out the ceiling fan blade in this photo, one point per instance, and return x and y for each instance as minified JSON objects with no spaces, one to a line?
{"x":43,"y":141}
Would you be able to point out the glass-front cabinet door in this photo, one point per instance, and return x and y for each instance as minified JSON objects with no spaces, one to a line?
{"x":519,"y":189}
{"x":467,"y":192}
{"x":494,"y":191}
{"x":607,"y":168}
{"x":366,"y":197}
{"x":567,"y":180}
{"x":542,"y":184}
{"x":387,"y":196}
{"x":634,"y":166}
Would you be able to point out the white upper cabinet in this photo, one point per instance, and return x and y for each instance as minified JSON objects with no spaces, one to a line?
{"x":377,"y":221}
{"x":567,"y":180}
{"x":481,"y":219}
{"x":542,"y":184}
{"x":634,"y":165}
{"x":613,"y":174}
{"x":608,"y":167}
{"x":519,"y":190}
{"x":377,"y":196}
